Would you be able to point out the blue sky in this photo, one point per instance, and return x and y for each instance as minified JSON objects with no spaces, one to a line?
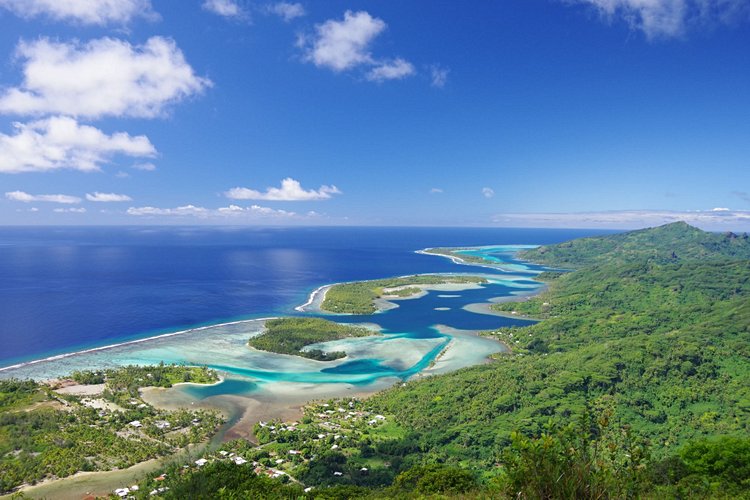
{"x":536,"y":113}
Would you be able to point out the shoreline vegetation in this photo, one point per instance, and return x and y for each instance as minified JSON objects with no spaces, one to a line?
{"x":361,"y":297}
{"x":291,"y":336}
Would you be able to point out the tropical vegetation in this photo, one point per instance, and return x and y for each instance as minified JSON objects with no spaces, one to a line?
{"x":46,"y":433}
{"x":292,"y":335}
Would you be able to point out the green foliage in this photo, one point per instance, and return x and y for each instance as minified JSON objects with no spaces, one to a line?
{"x":586,"y":459}
{"x":359,"y":297}
{"x":88,"y":377}
{"x":668,"y":243}
{"x":44,"y":434}
{"x":718,"y":467}
{"x":665,"y":343}
{"x":434,"y":478}
{"x":16,"y":393}
{"x":124,"y":383}
{"x":221,"y":480}
{"x":291,"y":335}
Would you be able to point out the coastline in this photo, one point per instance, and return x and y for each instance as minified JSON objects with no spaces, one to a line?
{"x":316,"y":296}
{"x":286,"y":399}
{"x":128,"y":342}
{"x":459,"y":261}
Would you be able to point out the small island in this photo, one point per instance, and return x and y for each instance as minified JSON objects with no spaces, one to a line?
{"x":361,"y":297}
{"x":292,"y":335}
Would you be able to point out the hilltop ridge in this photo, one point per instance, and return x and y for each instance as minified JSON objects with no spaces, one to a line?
{"x":673,"y":242}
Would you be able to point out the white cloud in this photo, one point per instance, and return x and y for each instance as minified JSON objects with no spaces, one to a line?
{"x":436,"y":191}
{"x":629,"y":219}
{"x":488,"y":192}
{"x":97,"y":12}
{"x":147,"y":166}
{"x":107,"y":197}
{"x":438,"y":76}
{"x":290,"y":190}
{"x":720,"y":209}
{"x":60,"y":142}
{"x":183,"y":210}
{"x":73,"y":210}
{"x":344,"y":45}
{"x":50,"y":198}
{"x":255,"y":210}
{"x":226,"y":8}
{"x":104,"y":77}
{"x":231,"y":211}
{"x":670,"y":18}
{"x":391,"y":70}
{"x":341,"y":45}
{"x":287,"y":11}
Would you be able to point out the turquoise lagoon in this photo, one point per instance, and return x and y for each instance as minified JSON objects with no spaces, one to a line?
{"x":434,"y":333}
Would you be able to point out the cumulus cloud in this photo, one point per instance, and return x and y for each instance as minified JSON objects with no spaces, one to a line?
{"x":107,"y":197}
{"x":49,"y":198}
{"x":488,"y":192}
{"x":62,"y":143}
{"x":287,"y":11}
{"x":226,"y":8}
{"x":342,"y":45}
{"x":93,"y":12}
{"x":438,"y":76}
{"x":669,"y":18}
{"x":72,"y":210}
{"x":104,"y":77}
{"x":290,"y":190}
{"x":629,"y":219}
{"x":391,"y":70}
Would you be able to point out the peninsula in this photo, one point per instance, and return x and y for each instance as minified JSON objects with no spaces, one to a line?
{"x":362,"y":297}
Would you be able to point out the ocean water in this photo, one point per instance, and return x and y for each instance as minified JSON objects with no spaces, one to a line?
{"x":65,"y":289}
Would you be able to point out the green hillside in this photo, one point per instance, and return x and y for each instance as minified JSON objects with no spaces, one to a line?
{"x":663,"y":345}
{"x":672,"y":242}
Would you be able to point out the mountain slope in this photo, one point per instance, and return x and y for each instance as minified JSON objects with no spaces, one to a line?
{"x":664,"y":345}
{"x":671,"y":242}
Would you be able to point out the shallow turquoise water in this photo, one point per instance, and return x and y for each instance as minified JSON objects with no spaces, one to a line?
{"x":413,"y":335}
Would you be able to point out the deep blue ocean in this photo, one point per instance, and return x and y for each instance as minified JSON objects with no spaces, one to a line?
{"x":64,"y":289}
